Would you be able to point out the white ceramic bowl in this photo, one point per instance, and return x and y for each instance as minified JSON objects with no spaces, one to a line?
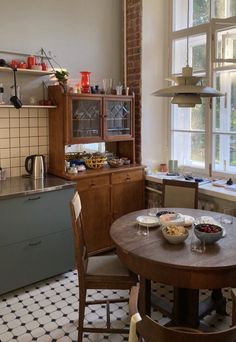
{"x":175,"y":234}
{"x":208,"y":237}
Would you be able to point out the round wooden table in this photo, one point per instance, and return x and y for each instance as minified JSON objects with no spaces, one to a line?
{"x":154,"y":258}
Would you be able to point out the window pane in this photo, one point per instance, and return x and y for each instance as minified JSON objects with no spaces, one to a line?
{"x":180,"y":12}
{"x":197,"y":53}
{"x":223,"y":8}
{"x":224,"y":119}
{"x":224,"y":148}
{"x":226,"y":44}
{"x":200,"y":11}
{"x":189,"y":148}
{"x":189,"y":119}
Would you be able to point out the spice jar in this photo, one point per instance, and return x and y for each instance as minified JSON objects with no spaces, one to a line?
{"x":31,"y":61}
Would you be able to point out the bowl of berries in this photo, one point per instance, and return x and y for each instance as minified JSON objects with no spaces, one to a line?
{"x":210,"y":233}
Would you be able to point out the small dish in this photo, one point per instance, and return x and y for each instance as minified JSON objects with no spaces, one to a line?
{"x":171,"y":220}
{"x":188,"y":220}
{"x":150,"y":221}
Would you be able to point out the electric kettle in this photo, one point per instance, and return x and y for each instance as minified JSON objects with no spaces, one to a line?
{"x":35,"y":166}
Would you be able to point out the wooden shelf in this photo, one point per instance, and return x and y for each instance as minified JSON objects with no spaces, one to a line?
{"x":26,"y":106}
{"x":28,"y":71}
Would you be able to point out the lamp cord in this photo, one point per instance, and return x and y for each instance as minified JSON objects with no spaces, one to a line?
{"x":187,"y":34}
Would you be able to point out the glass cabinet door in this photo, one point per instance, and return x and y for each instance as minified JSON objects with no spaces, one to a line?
{"x":118,"y":118}
{"x":86,"y":118}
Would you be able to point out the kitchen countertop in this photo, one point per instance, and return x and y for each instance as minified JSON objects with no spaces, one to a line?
{"x":204,"y":187}
{"x":22,"y":186}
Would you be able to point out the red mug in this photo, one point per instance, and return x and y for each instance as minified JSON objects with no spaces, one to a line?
{"x":31,"y":61}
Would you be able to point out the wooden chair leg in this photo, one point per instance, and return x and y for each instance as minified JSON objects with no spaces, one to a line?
{"x":82,"y":300}
{"x":233,"y":293}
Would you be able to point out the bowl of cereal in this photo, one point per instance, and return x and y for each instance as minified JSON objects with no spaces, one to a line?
{"x":175,"y":234}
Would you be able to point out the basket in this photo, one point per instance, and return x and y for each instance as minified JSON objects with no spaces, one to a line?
{"x":116,"y":162}
{"x":95,"y":163}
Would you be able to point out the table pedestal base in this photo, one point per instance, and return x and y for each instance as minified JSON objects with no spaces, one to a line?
{"x":186,"y":309}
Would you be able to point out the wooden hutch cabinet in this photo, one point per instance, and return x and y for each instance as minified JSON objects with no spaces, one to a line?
{"x":106,"y":193}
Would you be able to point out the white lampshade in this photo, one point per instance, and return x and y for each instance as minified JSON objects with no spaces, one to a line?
{"x":186,"y":92}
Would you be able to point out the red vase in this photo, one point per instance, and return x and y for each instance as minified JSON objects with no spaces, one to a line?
{"x":85,"y":81}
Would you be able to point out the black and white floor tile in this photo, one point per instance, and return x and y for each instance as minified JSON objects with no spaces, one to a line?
{"x":48,"y":312}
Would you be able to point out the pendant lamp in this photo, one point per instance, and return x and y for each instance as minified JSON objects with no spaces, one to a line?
{"x":187,"y":92}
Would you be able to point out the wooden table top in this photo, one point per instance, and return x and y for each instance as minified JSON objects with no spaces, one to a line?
{"x":155,"y":258}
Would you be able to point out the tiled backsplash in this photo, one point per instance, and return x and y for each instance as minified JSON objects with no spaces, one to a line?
{"x":22,"y":132}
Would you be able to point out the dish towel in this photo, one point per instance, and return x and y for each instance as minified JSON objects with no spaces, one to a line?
{"x":132,"y":330}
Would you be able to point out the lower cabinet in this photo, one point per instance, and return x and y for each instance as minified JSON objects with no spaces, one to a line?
{"x":105,"y":198}
{"x":127,"y":192}
{"x":36,"y":240}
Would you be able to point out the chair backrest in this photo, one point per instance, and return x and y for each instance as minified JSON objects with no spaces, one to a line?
{"x":151,"y":331}
{"x":179,"y":194}
{"x":78,"y":232}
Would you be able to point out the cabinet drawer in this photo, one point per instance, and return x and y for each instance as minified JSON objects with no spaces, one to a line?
{"x":38,"y":259}
{"x":23,"y":218}
{"x":127,"y":176}
{"x":90,"y":183}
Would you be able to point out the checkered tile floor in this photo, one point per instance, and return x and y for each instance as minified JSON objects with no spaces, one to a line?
{"x":48,"y":312}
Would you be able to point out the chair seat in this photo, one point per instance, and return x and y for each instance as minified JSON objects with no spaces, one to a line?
{"x":106,"y":265}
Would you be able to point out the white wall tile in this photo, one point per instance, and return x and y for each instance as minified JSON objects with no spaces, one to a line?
{"x":33,"y":141}
{"x":43,"y":141}
{"x":33,"y":122}
{"x":5,"y":153}
{"x":14,"y":132}
{"x":43,"y":131}
{"x":4,"y":133}
{"x":24,"y":122}
{"x":5,"y":162}
{"x":15,"y":142}
{"x":43,"y":113}
{"x":33,"y":131}
{"x":24,"y":142}
{"x":24,"y":151}
{"x":24,"y":132}
{"x":4,"y":113}
{"x":15,"y":171}
{"x":14,"y":113}
{"x":14,"y":122}
{"x":4,"y":143}
{"x":15,"y":162}
{"x":33,"y":112}
{"x":4,"y":123}
{"x":34,"y":150}
{"x":24,"y":112}
{"x":14,"y":152}
{"x":42,"y":122}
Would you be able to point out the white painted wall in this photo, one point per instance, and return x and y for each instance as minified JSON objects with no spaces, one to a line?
{"x":83,"y":34}
{"x":154,"y":71}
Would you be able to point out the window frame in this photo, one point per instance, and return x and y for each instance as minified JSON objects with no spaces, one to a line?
{"x":210,"y":29}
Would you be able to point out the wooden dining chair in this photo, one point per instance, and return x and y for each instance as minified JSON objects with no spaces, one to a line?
{"x":179,"y":194}
{"x":148,"y":330}
{"x":96,"y":272}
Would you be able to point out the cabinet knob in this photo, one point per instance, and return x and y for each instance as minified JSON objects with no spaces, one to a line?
{"x":128,"y":178}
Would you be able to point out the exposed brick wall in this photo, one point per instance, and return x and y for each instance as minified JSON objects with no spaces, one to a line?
{"x":134,"y":60}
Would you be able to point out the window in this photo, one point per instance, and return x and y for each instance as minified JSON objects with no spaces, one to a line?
{"x":205,"y":135}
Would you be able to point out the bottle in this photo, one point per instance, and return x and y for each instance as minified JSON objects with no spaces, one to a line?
{"x":1,"y":93}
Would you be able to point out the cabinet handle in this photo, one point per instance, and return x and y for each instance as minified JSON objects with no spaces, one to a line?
{"x":93,"y":184}
{"x":36,"y":243}
{"x":128,"y":178}
{"x":34,"y":198}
